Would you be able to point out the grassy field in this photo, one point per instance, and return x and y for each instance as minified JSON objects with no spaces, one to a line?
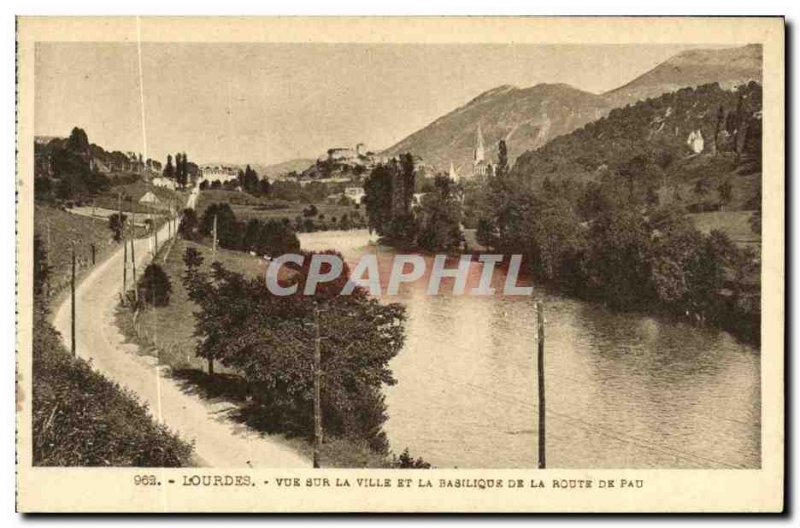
{"x":59,"y":229}
{"x":246,"y":206}
{"x":171,"y":328}
{"x":132,"y":193}
{"x":168,"y":334}
{"x":735,"y":224}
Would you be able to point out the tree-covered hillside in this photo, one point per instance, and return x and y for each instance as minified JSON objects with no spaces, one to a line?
{"x":649,"y":141}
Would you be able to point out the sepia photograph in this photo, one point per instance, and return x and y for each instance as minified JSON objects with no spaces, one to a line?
{"x":500,"y":263}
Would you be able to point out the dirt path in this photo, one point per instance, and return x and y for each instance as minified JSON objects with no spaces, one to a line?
{"x":218,"y":441}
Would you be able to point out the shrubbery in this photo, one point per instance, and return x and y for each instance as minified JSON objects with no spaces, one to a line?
{"x":271,"y":237}
{"x":154,"y":286}
{"x":82,"y":419}
{"x":189,"y":226}
{"x":116,"y":223}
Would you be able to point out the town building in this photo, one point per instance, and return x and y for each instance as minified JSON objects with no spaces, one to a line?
{"x":218,"y":173}
{"x":695,"y":141}
{"x":161,"y":181}
{"x":151,"y":200}
{"x":354,"y":193}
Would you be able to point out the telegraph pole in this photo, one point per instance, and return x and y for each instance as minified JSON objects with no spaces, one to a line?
{"x":214,"y":242}
{"x":124,"y":263}
{"x":133,"y":252}
{"x":317,"y":387}
{"x":155,"y":231}
{"x":540,"y":372}
{"x":72,"y":322}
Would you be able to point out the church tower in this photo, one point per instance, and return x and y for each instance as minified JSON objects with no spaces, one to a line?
{"x":479,"y":155}
{"x":453,"y":173}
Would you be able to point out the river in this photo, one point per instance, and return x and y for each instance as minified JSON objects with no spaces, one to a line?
{"x":623,"y":390}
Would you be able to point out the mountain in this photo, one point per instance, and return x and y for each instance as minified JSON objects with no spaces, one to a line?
{"x":729,"y":67}
{"x":526,"y":118}
{"x":284,"y":167}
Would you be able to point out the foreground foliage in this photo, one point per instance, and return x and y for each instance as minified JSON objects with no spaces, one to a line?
{"x":80,"y":418}
{"x":269,"y":341}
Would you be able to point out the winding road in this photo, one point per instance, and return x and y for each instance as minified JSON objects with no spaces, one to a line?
{"x":218,"y":440}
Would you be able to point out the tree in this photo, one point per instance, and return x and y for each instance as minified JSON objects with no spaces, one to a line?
{"x":249,"y":180}
{"x":229,"y":232}
{"x":189,"y":224}
{"x":41,"y":266}
{"x":440,"y":218}
{"x":181,"y":169}
{"x":154,"y":286}
{"x":184,"y":170}
{"x":378,"y":198}
{"x":169,"y":169}
{"x":407,"y":183}
{"x":78,"y":141}
{"x":502,"y":159}
{"x":116,"y":224}
{"x":269,"y":341}
{"x":725,"y":190}
{"x":264,"y":187}
{"x":192,"y":259}
{"x":701,"y":187}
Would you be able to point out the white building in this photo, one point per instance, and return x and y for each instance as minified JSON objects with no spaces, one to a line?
{"x":150,"y":199}
{"x":218,"y":173}
{"x":355,"y":193}
{"x":695,"y":141}
{"x":160,"y":181}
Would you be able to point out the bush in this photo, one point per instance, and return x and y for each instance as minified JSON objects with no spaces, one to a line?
{"x":116,"y":223}
{"x":154,"y":286}
{"x":189,"y":224}
{"x":406,"y":461}
{"x":80,"y":418}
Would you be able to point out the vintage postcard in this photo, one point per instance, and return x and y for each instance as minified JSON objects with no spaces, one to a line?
{"x":438,"y":264}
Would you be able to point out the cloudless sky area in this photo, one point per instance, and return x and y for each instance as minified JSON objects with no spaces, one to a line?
{"x":267,"y":103}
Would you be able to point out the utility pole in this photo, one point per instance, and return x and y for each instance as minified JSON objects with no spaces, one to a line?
{"x":214,"y":242}
{"x":124,"y":263}
{"x":540,"y":369}
{"x":133,"y":252}
{"x":72,"y":322}
{"x":317,"y":387}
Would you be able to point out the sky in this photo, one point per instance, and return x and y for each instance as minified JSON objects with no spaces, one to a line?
{"x":266,"y":103}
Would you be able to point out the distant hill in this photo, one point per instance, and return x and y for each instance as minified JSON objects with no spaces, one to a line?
{"x":284,"y":167}
{"x":528,"y":118}
{"x":525,"y":117}
{"x":729,"y":67}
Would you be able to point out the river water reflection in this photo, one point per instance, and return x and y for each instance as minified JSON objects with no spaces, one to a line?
{"x":623,"y":390}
